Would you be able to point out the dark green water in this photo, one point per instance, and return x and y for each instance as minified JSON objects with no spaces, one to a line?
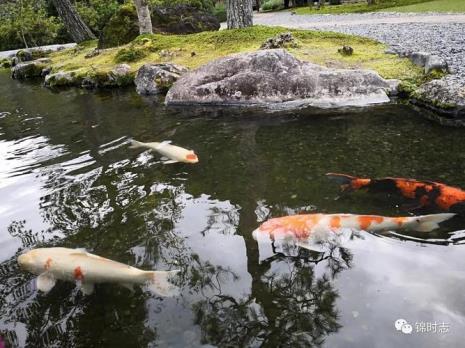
{"x":68,"y":179}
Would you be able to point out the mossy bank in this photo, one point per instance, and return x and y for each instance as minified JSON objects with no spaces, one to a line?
{"x":197,"y":49}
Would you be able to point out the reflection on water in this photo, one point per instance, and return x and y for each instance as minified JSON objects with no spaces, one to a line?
{"x":67,"y":178}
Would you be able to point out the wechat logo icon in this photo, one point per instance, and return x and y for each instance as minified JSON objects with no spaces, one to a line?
{"x":403,"y":326}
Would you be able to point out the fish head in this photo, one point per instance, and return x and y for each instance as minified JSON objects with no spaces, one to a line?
{"x":269,"y":231}
{"x":191,"y":157}
{"x":28,"y":260}
{"x":37,"y":261}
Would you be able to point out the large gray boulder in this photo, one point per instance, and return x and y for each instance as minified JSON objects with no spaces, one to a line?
{"x":276,"y":77}
{"x":157,"y":78}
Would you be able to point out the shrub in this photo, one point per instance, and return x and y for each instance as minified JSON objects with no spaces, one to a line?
{"x":96,"y":13}
{"x":220,"y":12}
{"x":202,"y":4}
{"x":121,"y":28}
{"x":131,"y":54}
{"x":272,"y":5}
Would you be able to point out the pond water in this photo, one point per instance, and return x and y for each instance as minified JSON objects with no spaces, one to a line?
{"x":67,"y":178}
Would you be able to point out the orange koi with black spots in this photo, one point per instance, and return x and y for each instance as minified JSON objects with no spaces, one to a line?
{"x":427,"y":194}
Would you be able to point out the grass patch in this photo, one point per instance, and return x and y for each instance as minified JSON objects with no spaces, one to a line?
{"x":314,"y":46}
{"x":433,"y":6}
{"x":360,"y":7}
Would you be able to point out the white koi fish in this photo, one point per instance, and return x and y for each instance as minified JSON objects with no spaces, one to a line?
{"x":308,"y":230}
{"x":172,"y":152}
{"x":87,"y":269}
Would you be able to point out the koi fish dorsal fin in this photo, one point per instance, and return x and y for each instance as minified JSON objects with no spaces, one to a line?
{"x":163,"y":144}
{"x":82,"y":252}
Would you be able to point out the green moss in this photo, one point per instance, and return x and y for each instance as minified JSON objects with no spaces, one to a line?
{"x":314,"y":46}
{"x":436,"y":74}
{"x":5,"y":63}
{"x":130,"y":54}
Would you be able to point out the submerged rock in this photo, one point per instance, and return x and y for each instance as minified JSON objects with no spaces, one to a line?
{"x":29,"y":69}
{"x":157,"y":78}
{"x":275,"y":76}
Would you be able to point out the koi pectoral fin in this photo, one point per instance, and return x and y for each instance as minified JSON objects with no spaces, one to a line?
{"x":45,"y":282}
{"x":170,"y":162}
{"x":87,"y":288}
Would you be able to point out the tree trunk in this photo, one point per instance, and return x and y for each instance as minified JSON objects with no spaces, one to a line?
{"x":143,"y":14}
{"x":371,"y":2}
{"x":75,"y":26}
{"x":239,"y":13}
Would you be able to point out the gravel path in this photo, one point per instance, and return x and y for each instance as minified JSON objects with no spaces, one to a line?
{"x":438,"y":34}
{"x":6,"y":54}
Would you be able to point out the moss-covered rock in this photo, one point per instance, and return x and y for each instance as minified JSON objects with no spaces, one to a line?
{"x":5,"y":63}
{"x":121,"y":76}
{"x":64,"y":78}
{"x":27,"y":55}
{"x":31,"y":69}
{"x":157,"y":78}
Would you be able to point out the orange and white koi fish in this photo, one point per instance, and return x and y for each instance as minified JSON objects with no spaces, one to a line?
{"x":426,"y":193}
{"x":86,"y":269}
{"x":310,"y":229}
{"x":174,"y":153}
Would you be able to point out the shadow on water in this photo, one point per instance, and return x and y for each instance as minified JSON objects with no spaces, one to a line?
{"x":67,"y":178}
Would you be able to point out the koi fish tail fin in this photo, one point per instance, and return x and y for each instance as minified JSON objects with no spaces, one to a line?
{"x":345,"y":181}
{"x":160,"y":283}
{"x":134,"y":144}
{"x":428,"y":223}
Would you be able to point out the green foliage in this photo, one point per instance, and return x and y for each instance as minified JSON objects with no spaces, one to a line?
{"x":272,"y":5}
{"x":96,"y":13}
{"x":26,"y":22}
{"x":121,"y":28}
{"x":219,"y":11}
{"x":130,"y":54}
